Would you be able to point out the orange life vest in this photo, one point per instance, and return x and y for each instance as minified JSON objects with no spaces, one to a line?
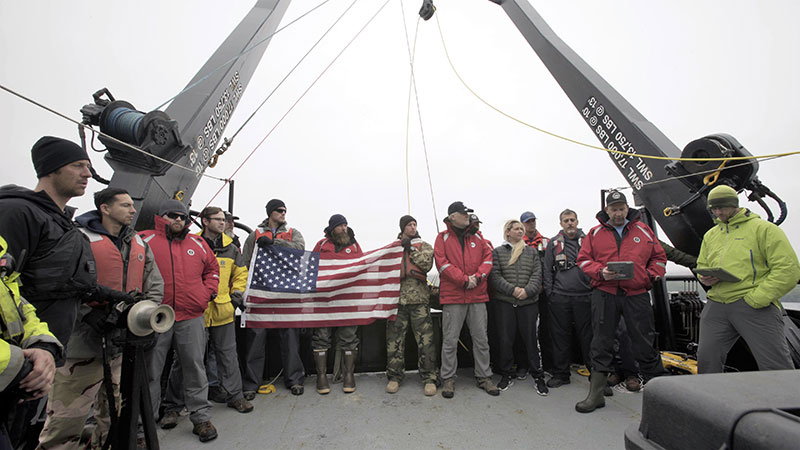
{"x":113,"y":270}
{"x":286,"y":235}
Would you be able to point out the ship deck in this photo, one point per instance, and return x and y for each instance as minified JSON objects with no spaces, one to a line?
{"x":372,"y":418}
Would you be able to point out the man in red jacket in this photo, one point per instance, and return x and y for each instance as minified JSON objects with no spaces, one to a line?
{"x":621,"y":236}
{"x":191,"y":278}
{"x":464,"y":262}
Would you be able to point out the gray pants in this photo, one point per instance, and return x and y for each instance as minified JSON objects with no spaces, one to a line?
{"x":453,"y":318}
{"x":188,"y":338}
{"x":721,"y":325}
{"x":222,"y":343}
{"x":346,"y":338}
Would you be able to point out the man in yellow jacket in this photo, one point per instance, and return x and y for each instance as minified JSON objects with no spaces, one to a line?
{"x":28,"y":350}
{"x":222,"y":364}
{"x":759,"y":255}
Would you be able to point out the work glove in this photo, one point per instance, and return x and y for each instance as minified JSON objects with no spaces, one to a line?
{"x":103,"y":295}
{"x":97,"y":319}
{"x":264,"y":241}
{"x":237,"y":300}
{"x":406,"y":243}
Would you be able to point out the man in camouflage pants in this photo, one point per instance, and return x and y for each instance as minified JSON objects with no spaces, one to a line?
{"x":413,"y":309}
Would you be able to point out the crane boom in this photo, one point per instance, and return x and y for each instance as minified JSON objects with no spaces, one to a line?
{"x":619,"y":126}
{"x":201,"y":113}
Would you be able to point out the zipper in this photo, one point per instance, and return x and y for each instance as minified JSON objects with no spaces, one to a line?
{"x":753,"y":264}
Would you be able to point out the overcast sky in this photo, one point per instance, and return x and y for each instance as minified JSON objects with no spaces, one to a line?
{"x":692,"y":68}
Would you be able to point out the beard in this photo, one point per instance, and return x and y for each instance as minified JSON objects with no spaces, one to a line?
{"x":340,"y":239}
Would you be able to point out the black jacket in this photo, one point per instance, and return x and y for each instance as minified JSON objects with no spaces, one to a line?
{"x":54,"y":258}
{"x":570,"y":279}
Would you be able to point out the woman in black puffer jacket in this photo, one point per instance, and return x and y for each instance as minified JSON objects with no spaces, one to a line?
{"x":516,"y":278}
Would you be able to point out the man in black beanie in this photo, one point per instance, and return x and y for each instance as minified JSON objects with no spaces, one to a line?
{"x":54,"y":258}
{"x":272,"y":231}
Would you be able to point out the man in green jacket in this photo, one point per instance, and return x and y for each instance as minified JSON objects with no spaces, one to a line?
{"x":758,"y":253}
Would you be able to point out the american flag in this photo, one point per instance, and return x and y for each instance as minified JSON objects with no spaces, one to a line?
{"x":289,"y":288}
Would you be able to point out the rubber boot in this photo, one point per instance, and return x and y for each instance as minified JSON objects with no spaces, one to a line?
{"x":321,"y":360}
{"x":595,"y":399}
{"x":349,"y":380}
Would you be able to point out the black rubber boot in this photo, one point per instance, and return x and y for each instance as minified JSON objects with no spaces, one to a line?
{"x":321,"y":360}
{"x":349,"y":381}
{"x":595,"y":399}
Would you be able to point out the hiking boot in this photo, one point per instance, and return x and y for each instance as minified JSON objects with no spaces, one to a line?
{"x":392,"y":387}
{"x":541,"y":387}
{"x":595,"y":399}
{"x":633,"y":384}
{"x":505,"y":383}
{"x":430,"y":389}
{"x":608,"y":391}
{"x":297,"y":389}
{"x":349,"y":378}
{"x":217,"y":394}
{"x":205,"y":431}
{"x":248,"y":395}
{"x":487,"y":385}
{"x":522,"y":373}
{"x":321,"y":361}
{"x":614,"y":379}
{"x":169,"y":420}
{"x":555,"y":382}
{"x":449,"y":388}
{"x":241,"y":405}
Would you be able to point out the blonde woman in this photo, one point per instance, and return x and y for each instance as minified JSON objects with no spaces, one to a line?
{"x":516,"y":277}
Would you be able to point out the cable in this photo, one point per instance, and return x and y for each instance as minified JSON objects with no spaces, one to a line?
{"x":412,"y":82}
{"x":244,"y":52}
{"x":82,"y":125}
{"x":298,"y":100}
{"x":583,"y":144}
{"x":227,"y":142}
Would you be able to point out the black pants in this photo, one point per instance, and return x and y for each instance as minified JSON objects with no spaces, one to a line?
{"x":255,"y":359}
{"x":544,"y":334}
{"x":570,"y":315}
{"x":638,"y":313}
{"x":508,"y":319}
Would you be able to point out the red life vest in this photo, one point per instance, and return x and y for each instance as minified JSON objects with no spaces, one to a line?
{"x":113,"y":270}
{"x":286,"y":235}
{"x":409,"y":269}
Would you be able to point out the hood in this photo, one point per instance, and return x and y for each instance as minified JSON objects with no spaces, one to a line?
{"x":634,"y":215}
{"x":350,"y":233}
{"x":162,"y":228}
{"x":741,"y":217}
{"x":41,"y":199}
{"x":226,"y":241}
{"x":93,"y":221}
{"x":453,"y":229}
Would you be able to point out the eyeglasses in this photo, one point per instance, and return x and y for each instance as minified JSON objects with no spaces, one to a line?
{"x":176,"y":216}
{"x":281,"y":210}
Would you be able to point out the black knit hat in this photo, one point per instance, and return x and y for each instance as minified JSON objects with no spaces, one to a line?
{"x":173,"y":206}
{"x":335,"y":221}
{"x":274,"y":204}
{"x":405,"y":220}
{"x":51,"y":153}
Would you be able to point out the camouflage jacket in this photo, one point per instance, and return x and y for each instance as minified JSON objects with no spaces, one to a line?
{"x":412,"y":290}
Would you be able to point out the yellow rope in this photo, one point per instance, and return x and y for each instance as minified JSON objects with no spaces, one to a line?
{"x":550,"y":133}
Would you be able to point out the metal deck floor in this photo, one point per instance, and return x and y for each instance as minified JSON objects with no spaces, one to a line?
{"x":371,"y":418}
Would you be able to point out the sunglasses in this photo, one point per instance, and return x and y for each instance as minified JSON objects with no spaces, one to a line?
{"x":281,"y":210}
{"x":176,"y":216}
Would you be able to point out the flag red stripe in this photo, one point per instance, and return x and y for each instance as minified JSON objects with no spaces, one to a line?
{"x":321,"y":310}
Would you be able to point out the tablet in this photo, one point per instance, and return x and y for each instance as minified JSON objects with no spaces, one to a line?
{"x":623,"y":268}
{"x":718,"y":272}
